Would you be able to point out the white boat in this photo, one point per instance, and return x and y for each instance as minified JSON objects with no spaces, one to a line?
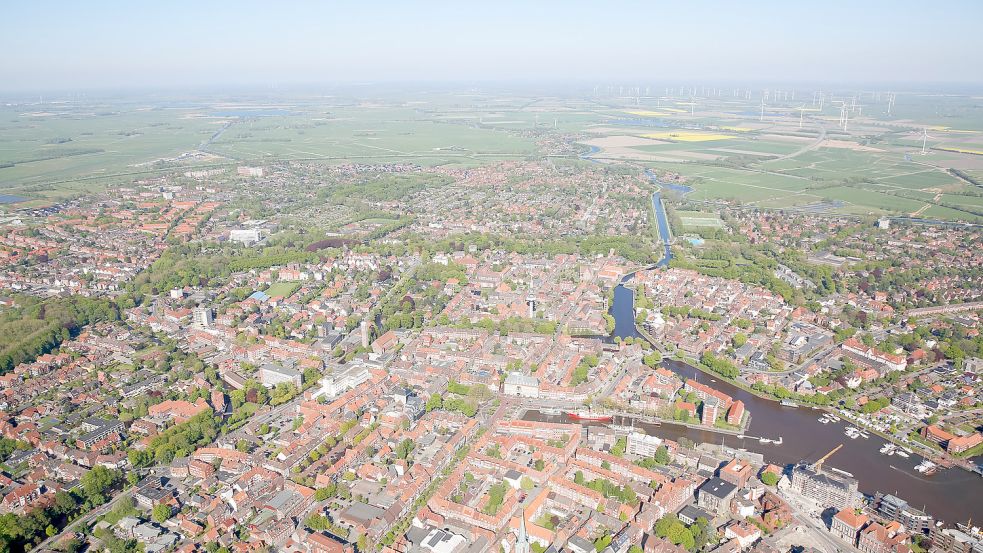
{"x":864,"y":435}
{"x":902,"y":453}
{"x":926,"y":467}
{"x":843,"y":472}
{"x":888,"y":449}
{"x":834,"y":418}
{"x":764,"y":440}
{"x":778,"y":441}
{"x":621,"y":428}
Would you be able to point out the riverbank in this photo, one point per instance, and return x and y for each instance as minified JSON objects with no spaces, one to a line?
{"x":931,"y":455}
{"x":947,"y":494}
{"x":629,"y":418}
{"x":624,"y":327}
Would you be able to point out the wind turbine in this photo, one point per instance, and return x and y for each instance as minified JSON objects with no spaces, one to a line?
{"x":762,"y":110}
{"x":925,"y":138}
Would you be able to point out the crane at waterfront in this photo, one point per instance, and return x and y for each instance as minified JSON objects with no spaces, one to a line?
{"x":818,"y":465}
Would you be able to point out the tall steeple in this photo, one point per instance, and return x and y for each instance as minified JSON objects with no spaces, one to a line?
{"x":522,"y":542}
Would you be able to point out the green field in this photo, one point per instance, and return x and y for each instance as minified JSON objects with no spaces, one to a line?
{"x":282,"y":289}
{"x":700,"y":219}
{"x":61,"y":149}
{"x":58,"y":151}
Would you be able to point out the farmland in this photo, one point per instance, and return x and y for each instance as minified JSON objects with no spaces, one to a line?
{"x":729,"y":150}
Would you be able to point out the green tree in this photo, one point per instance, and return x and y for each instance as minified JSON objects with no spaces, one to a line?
{"x":663,"y":524}
{"x":769,"y":478}
{"x":680,"y":535}
{"x":653,"y":359}
{"x":161,"y":513}
{"x":662,"y":455}
{"x":434,"y":402}
{"x":97,"y":483}
{"x":526,"y":483}
{"x":404,"y":448}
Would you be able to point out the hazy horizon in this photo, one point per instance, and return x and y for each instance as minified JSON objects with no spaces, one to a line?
{"x":118,"y":45}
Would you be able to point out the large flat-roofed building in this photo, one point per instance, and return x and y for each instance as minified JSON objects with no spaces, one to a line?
{"x":715,"y":496}
{"x":521,"y":385}
{"x":643,"y":444}
{"x":827,"y":489}
{"x":250,"y":171}
{"x":202,"y":316}
{"x":245,"y":236}
{"x":737,"y":472}
{"x":342,"y":380}
{"x":955,"y":540}
{"x":271,"y":375}
{"x":895,"y":509}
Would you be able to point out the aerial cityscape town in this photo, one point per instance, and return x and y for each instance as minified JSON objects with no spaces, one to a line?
{"x":620,"y":317}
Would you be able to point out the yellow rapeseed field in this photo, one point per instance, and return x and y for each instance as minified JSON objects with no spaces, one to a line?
{"x":959,"y":150}
{"x":646,"y":113}
{"x":687,"y":136}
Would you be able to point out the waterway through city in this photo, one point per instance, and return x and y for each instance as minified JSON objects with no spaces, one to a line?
{"x":952,"y":495}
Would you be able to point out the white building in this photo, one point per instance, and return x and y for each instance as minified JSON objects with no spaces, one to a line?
{"x":271,"y":375}
{"x":642,"y":444}
{"x":202,"y":316}
{"x":339,"y":382}
{"x":245,"y":236}
{"x":520,"y":385}
{"x":442,"y":541}
{"x":250,"y":171}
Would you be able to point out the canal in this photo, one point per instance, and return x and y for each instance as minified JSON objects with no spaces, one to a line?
{"x":952,"y":495}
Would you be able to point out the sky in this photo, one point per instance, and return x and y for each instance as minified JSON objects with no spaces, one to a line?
{"x":71,"y":45}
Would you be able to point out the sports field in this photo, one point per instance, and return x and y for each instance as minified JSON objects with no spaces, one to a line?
{"x":700,"y":219}
{"x":282,"y":289}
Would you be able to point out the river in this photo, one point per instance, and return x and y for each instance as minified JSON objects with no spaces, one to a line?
{"x":951,"y":495}
{"x":11,"y":199}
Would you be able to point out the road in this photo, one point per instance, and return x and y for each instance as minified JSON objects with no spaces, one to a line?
{"x":815,"y":357}
{"x":99,"y":511}
{"x":802,"y":513}
{"x":804,"y":149}
{"x":95,"y":513}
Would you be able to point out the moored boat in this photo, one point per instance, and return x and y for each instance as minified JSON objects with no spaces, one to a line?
{"x":588,"y":416}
